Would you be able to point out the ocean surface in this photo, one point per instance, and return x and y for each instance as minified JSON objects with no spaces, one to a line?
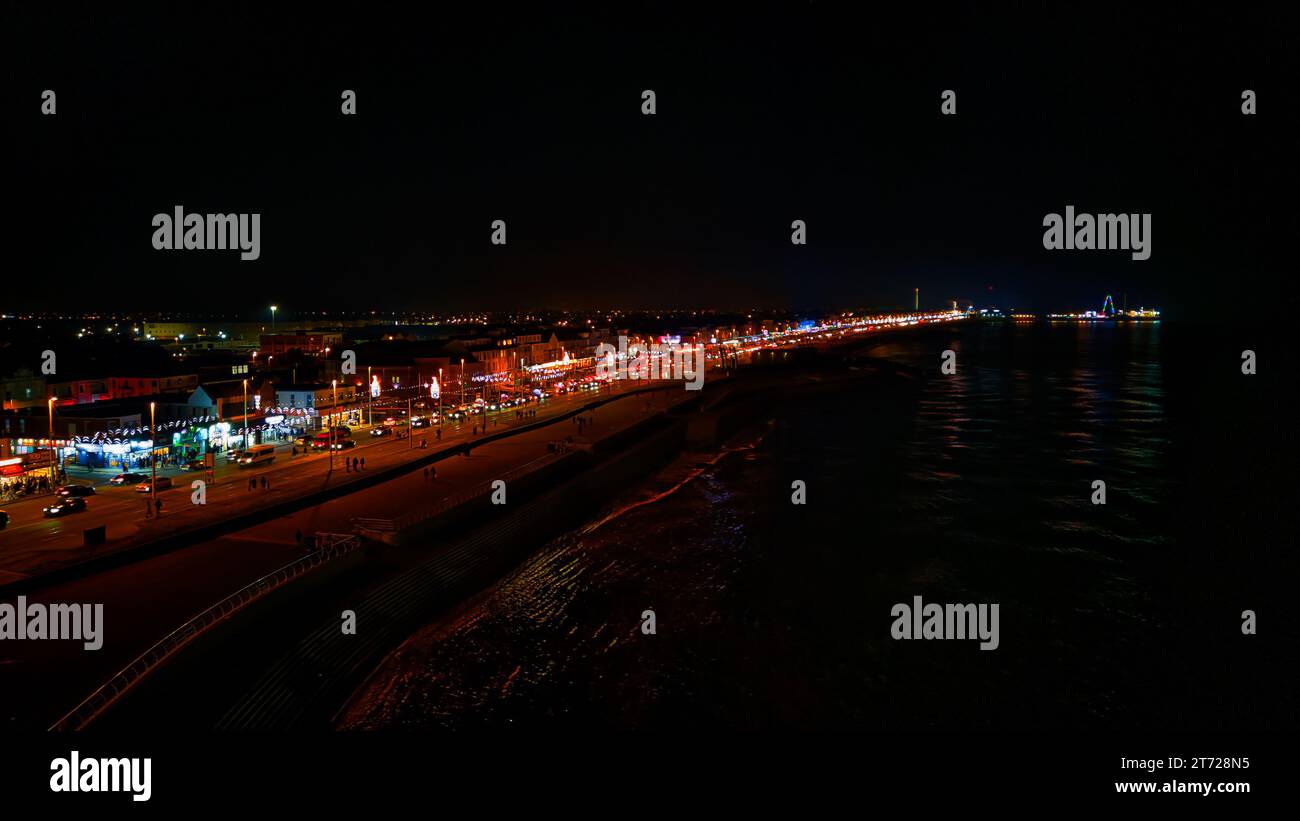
{"x":970,"y":488}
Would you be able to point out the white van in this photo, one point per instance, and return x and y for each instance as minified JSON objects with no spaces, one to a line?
{"x":256,"y":455}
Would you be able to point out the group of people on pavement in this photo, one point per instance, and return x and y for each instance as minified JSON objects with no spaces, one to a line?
{"x":253,"y":482}
{"x":26,"y":486}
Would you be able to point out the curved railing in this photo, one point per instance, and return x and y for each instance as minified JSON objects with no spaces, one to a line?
{"x":330,"y":546}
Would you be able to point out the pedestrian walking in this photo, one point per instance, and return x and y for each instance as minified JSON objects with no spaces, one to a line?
{"x":297,"y":536}
{"x":354,"y":463}
{"x":157,"y":503}
{"x":263,"y":483}
{"x":363,"y":463}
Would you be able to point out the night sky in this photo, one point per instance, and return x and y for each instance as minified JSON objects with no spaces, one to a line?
{"x":797,"y":111}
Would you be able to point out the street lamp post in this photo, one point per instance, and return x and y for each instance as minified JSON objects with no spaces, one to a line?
{"x":273,"y":310}
{"x":245,"y":440}
{"x":53,"y":450}
{"x":440,"y":399}
{"x":153,"y":459}
{"x":370,"y":400}
{"x":333,"y":411}
{"x":462,"y":380}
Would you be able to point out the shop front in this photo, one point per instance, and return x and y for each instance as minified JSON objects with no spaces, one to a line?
{"x":118,"y":453}
{"x":28,"y":473}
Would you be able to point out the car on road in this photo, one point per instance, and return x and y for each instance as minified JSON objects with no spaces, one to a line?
{"x":164,"y":482}
{"x":344,"y":443}
{"x":76,"y":490}
{"x":128,"y":478}
{"x":194,"y":464}
{"x":68,"y":504}
{"x":419,"y":423}
{"x":380,"y":432}
{"x":4,"y":519}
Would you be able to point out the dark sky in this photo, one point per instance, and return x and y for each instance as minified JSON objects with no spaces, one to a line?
{"x":797,"y":111}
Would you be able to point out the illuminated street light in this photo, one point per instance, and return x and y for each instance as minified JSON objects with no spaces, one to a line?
{"x":153,"y":459}
{"x":53,"y":452}
{"x":333,"y":411}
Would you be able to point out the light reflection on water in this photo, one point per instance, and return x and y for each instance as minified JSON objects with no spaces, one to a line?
{"x":976,"y":489}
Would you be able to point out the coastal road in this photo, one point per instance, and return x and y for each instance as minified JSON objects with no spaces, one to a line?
{"x":145,"y":600}
{"x":33,"y":544}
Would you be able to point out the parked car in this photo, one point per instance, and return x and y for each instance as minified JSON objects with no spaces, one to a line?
{"x":76,"y":490}
{"x":128,"y":478}
{"x":68,"y":504}
{"x":164,"y":482}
